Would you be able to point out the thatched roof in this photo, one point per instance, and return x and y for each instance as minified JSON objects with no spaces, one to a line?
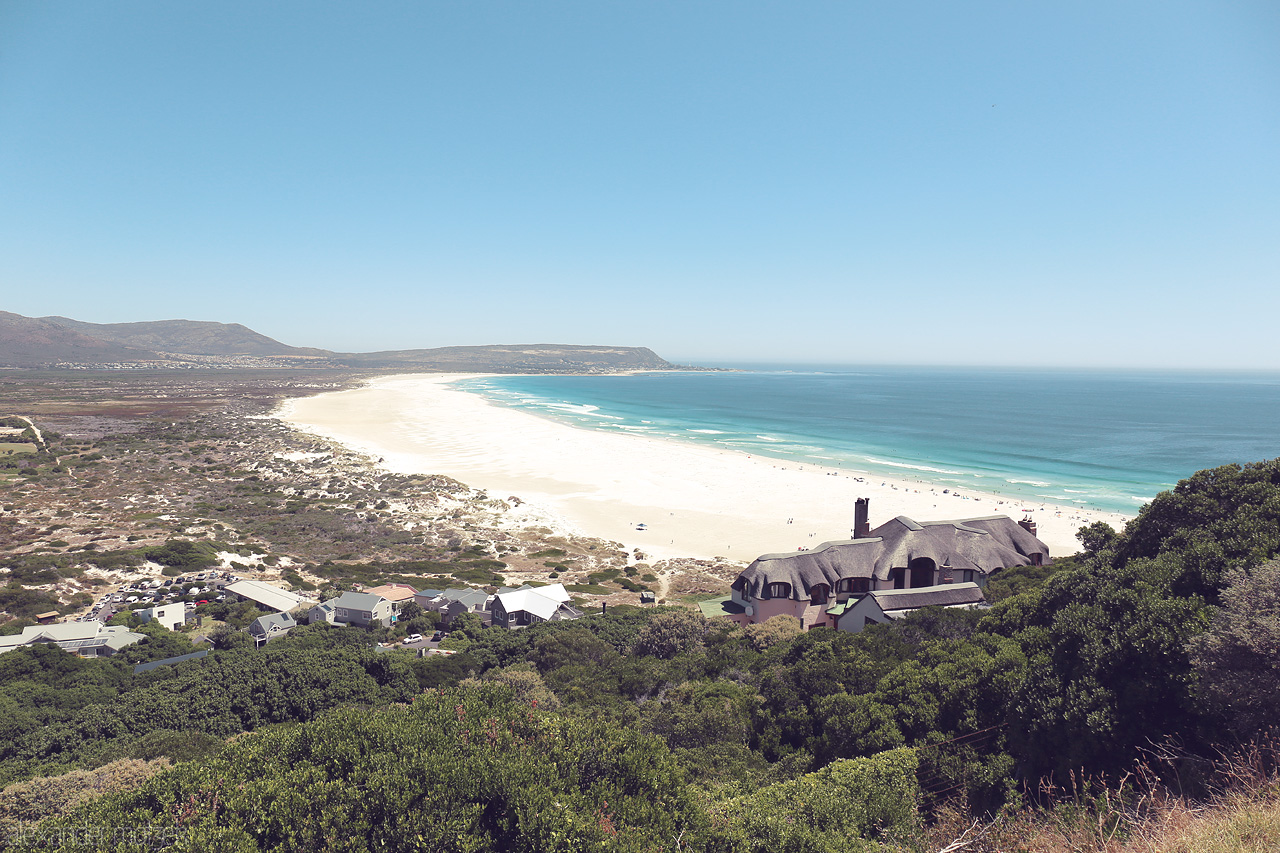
{"x":951,"y":595}
{"x":982,"y":544}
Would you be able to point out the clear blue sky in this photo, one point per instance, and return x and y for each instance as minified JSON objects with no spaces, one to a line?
{"x":1083,"y":183}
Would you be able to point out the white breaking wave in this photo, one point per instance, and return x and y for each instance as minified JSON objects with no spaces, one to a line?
{"x":930,"y":468}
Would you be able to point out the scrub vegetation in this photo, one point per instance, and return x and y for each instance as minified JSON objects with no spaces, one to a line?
{"x":1119,"y":701}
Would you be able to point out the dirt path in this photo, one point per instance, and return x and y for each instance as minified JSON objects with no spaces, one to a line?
{"x":34,"y":428}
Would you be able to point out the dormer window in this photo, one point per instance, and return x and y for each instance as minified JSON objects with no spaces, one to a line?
{"x":853,"y":585}
{"x":818,"y":593}
{"x":778,"y":590}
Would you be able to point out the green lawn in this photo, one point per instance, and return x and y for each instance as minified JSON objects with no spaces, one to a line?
{"x":8,"y":447}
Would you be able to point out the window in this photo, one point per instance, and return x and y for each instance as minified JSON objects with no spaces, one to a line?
{"x":818,"y":593}
{"x":778,"y":590}
{"x":968,"y":576}
{"x":853,"y":585}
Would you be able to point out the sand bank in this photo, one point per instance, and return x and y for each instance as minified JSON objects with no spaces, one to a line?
{"x":695,"y":501}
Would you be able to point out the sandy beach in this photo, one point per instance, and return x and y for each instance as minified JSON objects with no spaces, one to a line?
{"x":694,"y":501}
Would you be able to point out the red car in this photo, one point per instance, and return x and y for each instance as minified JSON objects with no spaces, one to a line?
{"x":202,"y":601}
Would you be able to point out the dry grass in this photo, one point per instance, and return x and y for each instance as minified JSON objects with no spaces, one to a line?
{"x":1138,"y":815}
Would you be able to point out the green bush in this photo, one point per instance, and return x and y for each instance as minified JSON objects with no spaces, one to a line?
{"x":823,"y":812}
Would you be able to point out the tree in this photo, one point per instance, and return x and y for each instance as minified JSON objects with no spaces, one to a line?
{"x":225,"y":637}
{"x":778,"y":629}
{"x":524,"y":682}
{"x":1097,"y":537}
{"x":1238,"y":657}
{"x":671,"y":633}
{"x":697,"y":714}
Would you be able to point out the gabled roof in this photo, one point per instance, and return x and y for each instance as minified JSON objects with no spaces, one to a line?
{"x":542,"y":602}
{"x":74,"y":636}
{"x":119,"y":639}
{"x":466,"y":596}
{"x":356,"y":601}
{"x":983,"y":544}
{"x":263,"y":624}
{"x":267,"y":595}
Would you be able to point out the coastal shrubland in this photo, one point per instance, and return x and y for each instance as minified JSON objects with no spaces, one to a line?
{"x":222,"y":482}
{"x":1097,"y":695}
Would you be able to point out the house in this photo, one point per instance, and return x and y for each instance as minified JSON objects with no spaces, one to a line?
{"x":396,"y":593}
{"x":269,"y":596}
{"x":885,"y":605}
{"x":450,"y":603}
{"x":168,"y":615}
{"x":899,"y":554}
{"x":525,"y":605}
{"x":264,"y":629}
{"x":355,"y":609}
{"x":87,"y":639}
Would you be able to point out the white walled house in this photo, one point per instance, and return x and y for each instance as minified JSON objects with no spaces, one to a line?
{"x":171,"y":616}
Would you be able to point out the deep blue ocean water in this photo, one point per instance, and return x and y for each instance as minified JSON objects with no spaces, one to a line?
{"x":1104,"y":440}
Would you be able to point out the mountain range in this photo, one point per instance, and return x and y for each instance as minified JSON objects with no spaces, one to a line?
{"x":60,"y":342}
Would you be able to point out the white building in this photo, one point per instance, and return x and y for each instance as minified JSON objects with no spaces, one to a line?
{"x":170,"y":616}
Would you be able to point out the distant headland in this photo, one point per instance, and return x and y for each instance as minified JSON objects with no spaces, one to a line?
{"x":63,"y":343}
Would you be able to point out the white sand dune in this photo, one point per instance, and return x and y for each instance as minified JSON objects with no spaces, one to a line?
{"x":696,"y":501}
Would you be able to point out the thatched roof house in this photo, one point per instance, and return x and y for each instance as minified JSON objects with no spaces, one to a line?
{"x":899,"y":554}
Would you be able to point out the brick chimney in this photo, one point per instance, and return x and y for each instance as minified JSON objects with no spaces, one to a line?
{"x":861,"y":526}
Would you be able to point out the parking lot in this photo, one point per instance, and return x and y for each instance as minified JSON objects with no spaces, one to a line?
{"x":194,"y":589}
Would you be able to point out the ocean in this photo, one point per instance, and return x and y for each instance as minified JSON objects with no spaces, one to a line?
{"x":1104,"y":440}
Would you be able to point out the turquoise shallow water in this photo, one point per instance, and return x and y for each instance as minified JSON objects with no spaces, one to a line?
{"x":1103,"y":440}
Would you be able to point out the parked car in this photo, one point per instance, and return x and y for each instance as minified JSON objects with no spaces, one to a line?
{"x":413,"y":638}
{"x":438,"y":636}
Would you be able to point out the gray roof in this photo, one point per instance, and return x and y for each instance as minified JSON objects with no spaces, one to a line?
{"x":118,"y":640}
{"x":948,"y":595}
{"x":267,"y":595}
{"x":982,"y":544}
{"x":469,"y":597}
{"x":263,"y":624}
{"x":74,"y":636}
{"x":147,"y":667}
{"x":356,"y":601}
